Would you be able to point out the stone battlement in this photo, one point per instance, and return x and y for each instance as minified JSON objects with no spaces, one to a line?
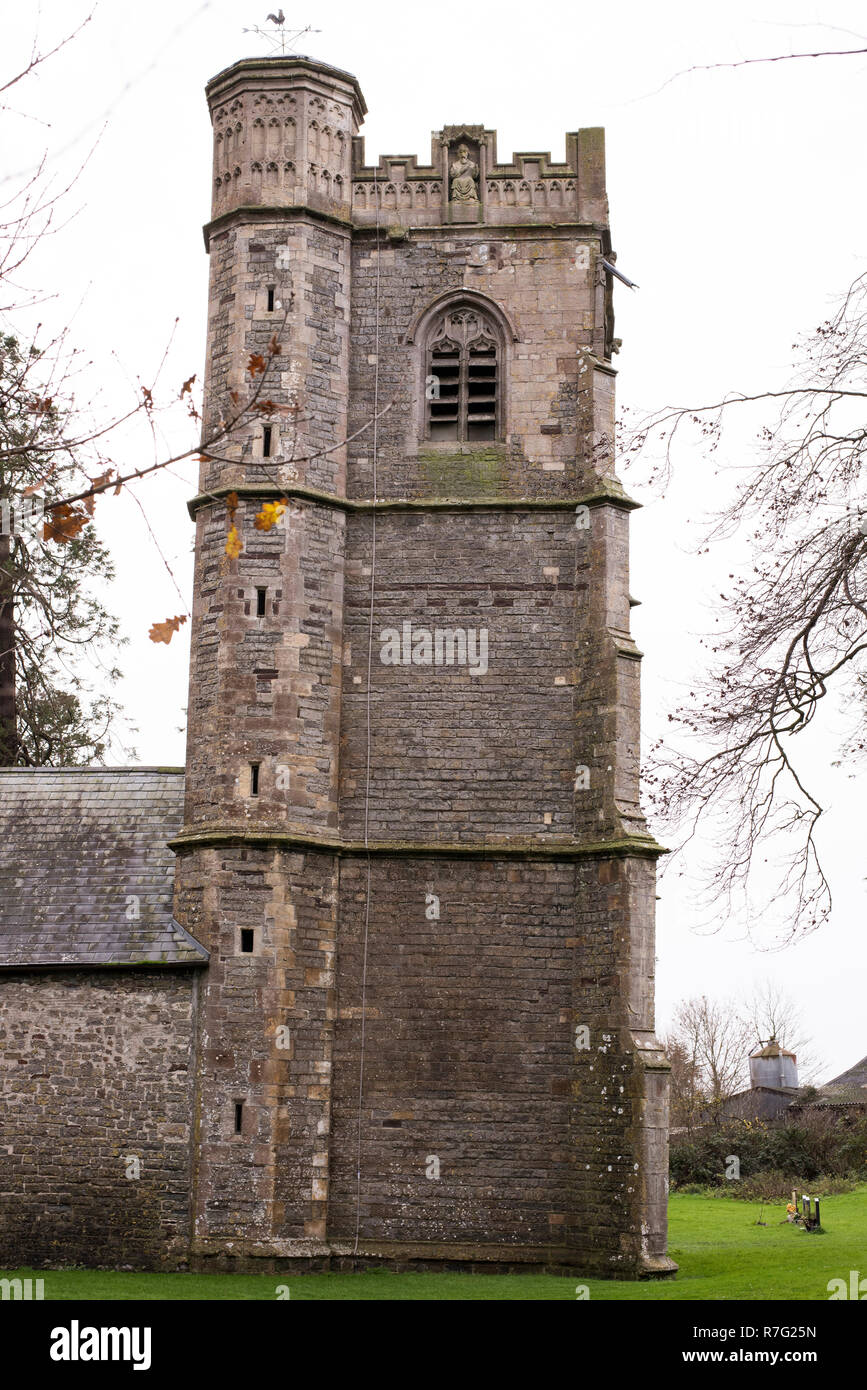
{"x":285,"y":135}
{"x":528,"y":189}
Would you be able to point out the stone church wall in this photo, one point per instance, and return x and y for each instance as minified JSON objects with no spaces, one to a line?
{"x":97,"y":1072}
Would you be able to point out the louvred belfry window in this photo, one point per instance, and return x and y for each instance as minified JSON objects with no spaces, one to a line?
{"x":463,"y":361}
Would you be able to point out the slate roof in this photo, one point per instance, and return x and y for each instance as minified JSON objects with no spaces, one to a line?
{"x":82,"y":850}
{"x":850,"y":1086}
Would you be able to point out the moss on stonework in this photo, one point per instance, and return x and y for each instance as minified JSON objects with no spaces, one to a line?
{"x":464,"y":472}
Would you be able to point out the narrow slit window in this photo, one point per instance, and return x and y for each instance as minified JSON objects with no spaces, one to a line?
{"x":247,"y":940}
{"x":261,"y":598}
{"x":463,"y":359}
{"x":239,"y":1115}
{"x":254,"y":779}
{"x":266,"y":441}
{"x":270,"y":299}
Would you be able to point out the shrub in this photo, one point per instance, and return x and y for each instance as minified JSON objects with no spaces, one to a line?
{"x":823,"y":1144}
{"x":775,"y":1187}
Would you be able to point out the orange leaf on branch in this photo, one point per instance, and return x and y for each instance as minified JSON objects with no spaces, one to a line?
{"x":257,"y":364}
{"x":163,"y":632}
{"x":187,"y":387}
{"x":274,"y":347}
{"x":63,"y":522}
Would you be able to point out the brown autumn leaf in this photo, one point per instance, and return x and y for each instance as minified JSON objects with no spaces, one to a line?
{"x":41,"y":407}
{"x":232,"y":505}
{"x":63,"y":522}
{"x":274,"y":347}
{"x":267,"y":407}
{"x":270,"y":514}
{"x":235,"y":397}
{"x":163,"y":632}
{"x":257,"y":364}
{"x":148,"y":398}
{"x":89,"y":502}
{"x":187,"y":387}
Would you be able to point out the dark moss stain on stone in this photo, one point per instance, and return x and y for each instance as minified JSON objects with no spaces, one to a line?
{"x":466,"y":472}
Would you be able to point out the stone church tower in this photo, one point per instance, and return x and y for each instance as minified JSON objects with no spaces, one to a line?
{"x":412,"y":843}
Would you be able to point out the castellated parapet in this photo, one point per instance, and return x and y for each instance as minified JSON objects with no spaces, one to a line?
{"x":420,"y":868}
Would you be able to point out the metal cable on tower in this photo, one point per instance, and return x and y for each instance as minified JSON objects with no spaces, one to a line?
{"x":369,"y":669}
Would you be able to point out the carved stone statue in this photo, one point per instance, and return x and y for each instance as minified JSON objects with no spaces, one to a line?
{"x":464,"y":172}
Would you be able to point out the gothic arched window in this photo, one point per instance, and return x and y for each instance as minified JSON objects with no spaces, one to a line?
{"x":463,"y":371}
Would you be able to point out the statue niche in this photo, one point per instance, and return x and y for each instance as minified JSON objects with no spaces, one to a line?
{"x":464,"y":172}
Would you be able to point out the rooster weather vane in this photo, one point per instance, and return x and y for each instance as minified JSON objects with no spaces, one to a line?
{"x":278,"y":38}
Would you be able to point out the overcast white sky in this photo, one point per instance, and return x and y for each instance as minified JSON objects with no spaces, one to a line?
{"x":737,"y":203}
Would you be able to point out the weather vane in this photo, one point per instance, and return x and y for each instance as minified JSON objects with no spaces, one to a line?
{"x":278,"y":38}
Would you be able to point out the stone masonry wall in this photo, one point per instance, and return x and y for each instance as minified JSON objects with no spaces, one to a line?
{"x":266,"y":1022}
{"x":469,"y":1054}
{"x":266,"y":689}
{"x":98,"y":1071}
{"x":547,"y":290}
{"x":470,"y":1059}
{"x":463,"y":752}
{"x":466,"y":1113}
{"x":306,"y":265}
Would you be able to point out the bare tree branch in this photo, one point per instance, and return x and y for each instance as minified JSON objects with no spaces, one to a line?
{"x":749,"y":62}
{"x":792,"y":629}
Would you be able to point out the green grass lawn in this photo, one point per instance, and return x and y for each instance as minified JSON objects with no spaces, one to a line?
{"x":721,"y":1252}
